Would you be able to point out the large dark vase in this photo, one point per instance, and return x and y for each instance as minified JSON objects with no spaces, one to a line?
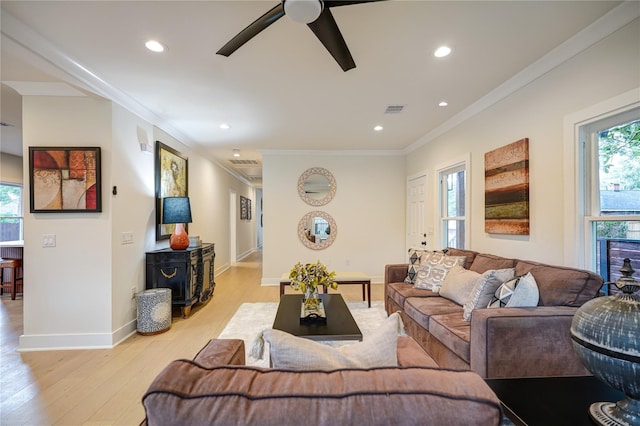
{"x":606,"y":337}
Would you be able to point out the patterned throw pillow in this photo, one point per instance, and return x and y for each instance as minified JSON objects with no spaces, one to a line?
{"x":414,"y":264}
{"x":485,"y":288}
{"x":434,"y":267}
{"x":520,"y":291}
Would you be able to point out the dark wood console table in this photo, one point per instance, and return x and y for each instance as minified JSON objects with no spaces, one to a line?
{"x":188,"y":273}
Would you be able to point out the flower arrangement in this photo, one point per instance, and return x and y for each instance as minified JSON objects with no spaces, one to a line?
{"x":308,"y":277}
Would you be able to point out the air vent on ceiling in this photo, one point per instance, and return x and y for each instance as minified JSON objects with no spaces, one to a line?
{"x":245,"y":162}
{"x":394,"y":109}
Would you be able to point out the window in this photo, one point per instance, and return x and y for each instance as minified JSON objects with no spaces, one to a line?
{"x":10,"y":212}
{"x":453,"y":200}
{"x":612,"y":192}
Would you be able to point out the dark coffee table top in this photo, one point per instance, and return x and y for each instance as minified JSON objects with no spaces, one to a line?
{"x":552,"y":400}
{"x":340,"y":324}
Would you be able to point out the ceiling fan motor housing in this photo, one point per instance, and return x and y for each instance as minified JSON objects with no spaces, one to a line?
{"x":303,"y":11}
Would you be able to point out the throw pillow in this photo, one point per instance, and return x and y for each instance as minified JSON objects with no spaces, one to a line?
{"x":458,"y":284}
{"x":520,"y":291}
{"x":485,"y":288}
{"x":433,"y":269}
{"x":414,"y":264}
{"x":296,"y":353}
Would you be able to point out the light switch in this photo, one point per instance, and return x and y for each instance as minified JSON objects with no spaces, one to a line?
{"x":127,"y":238}
{"x":48,"y":240}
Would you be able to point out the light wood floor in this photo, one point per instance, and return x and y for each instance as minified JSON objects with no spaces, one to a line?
{"x":105,"y":386}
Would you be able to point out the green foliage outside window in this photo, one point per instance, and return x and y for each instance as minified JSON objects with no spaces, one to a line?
{"x":619,"y":149}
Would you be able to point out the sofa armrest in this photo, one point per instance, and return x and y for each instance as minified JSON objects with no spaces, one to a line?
{"x":395,"y":273}
{"x":221,"y":352}
{"x":524,"y":342}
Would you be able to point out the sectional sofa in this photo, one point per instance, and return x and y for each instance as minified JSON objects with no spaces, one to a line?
{"x":217,"y":389}
{"x":497,"y":342}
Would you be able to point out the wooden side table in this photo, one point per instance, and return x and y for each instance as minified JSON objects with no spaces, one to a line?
{"x":342,"y":278}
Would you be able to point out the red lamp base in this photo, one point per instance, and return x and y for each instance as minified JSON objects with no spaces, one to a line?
{"x":179,"y":240}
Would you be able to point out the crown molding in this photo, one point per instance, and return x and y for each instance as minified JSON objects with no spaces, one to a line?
{"x":331,"y":153}
{"x":617,"y":18}
{"x":39,"y":50}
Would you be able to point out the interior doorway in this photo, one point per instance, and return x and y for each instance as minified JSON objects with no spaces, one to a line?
{"x":233,"y":211}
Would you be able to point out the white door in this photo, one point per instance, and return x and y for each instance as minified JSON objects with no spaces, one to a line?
{"x":416,"y":211}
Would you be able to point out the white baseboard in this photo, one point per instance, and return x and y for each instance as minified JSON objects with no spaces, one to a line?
{"x":56,"y":342}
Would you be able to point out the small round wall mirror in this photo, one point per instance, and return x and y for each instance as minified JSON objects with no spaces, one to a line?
{"x":317,"y":230}
{"x":317,"y":186}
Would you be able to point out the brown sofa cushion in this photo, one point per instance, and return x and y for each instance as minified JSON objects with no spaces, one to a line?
{"x":469,"y":254}
{"x":399,"y":292}
{"x":420,"y":309}
{"x":411,"y":354}
{"x":187,"y":393}
{"x":453,"y":332}
{"x":560,"y":285}
{"x":483,"y":262}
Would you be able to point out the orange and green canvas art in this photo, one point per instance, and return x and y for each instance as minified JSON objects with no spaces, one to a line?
{"x":65,"y":179}
{"x":506,"y":189}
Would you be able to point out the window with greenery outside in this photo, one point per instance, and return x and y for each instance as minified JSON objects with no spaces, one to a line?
{"x":10,"y":212}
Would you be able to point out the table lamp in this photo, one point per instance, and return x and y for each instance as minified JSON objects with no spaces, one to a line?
{"x":177,"y":210}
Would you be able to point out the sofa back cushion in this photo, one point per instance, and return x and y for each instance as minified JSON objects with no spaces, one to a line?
{"x":484,"y":262}
{"x":561,"y":286}
{"x":469,"y":254}
{"x":185,"y":393}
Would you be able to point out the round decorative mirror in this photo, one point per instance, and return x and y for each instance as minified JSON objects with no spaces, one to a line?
{"x":317,"y":186}
{"x":317,"y":230}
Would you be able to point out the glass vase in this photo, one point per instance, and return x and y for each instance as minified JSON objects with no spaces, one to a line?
{"x":311,"y":297}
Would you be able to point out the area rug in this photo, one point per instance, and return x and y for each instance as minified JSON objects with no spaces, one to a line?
{"x":251,"y":318}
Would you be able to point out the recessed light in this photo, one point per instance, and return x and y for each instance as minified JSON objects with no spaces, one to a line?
{"x":378,"y":128}
{"x":154,"y":46}
{"x":443,"y":104}
{"x":442,"y":51}
{"x":225,"y":126}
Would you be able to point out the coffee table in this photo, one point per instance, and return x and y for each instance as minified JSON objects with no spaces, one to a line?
{"x":551,"y":400}
{"x":340,"y":324}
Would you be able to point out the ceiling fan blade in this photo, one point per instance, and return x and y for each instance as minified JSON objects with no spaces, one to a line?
{"x":252,"y":30}
{"x":327,"y":31}
{"x":336,"y":3}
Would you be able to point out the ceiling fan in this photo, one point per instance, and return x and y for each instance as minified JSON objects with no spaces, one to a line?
{"x":316,"y":14}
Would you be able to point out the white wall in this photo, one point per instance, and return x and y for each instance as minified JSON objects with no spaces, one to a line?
{"x":133,"y":211}
{"x":79,"y":294}
{"x":67,"y":299}
{"x":536,"y":111}
{"x":10,"y":168}
{"x":368,"y":209}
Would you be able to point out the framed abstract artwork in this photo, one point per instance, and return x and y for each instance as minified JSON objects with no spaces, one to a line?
{"x":64,"y":180}
{"x":172,"y":178}
{"x":506,"y":189}
{"x":244,"y":208}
